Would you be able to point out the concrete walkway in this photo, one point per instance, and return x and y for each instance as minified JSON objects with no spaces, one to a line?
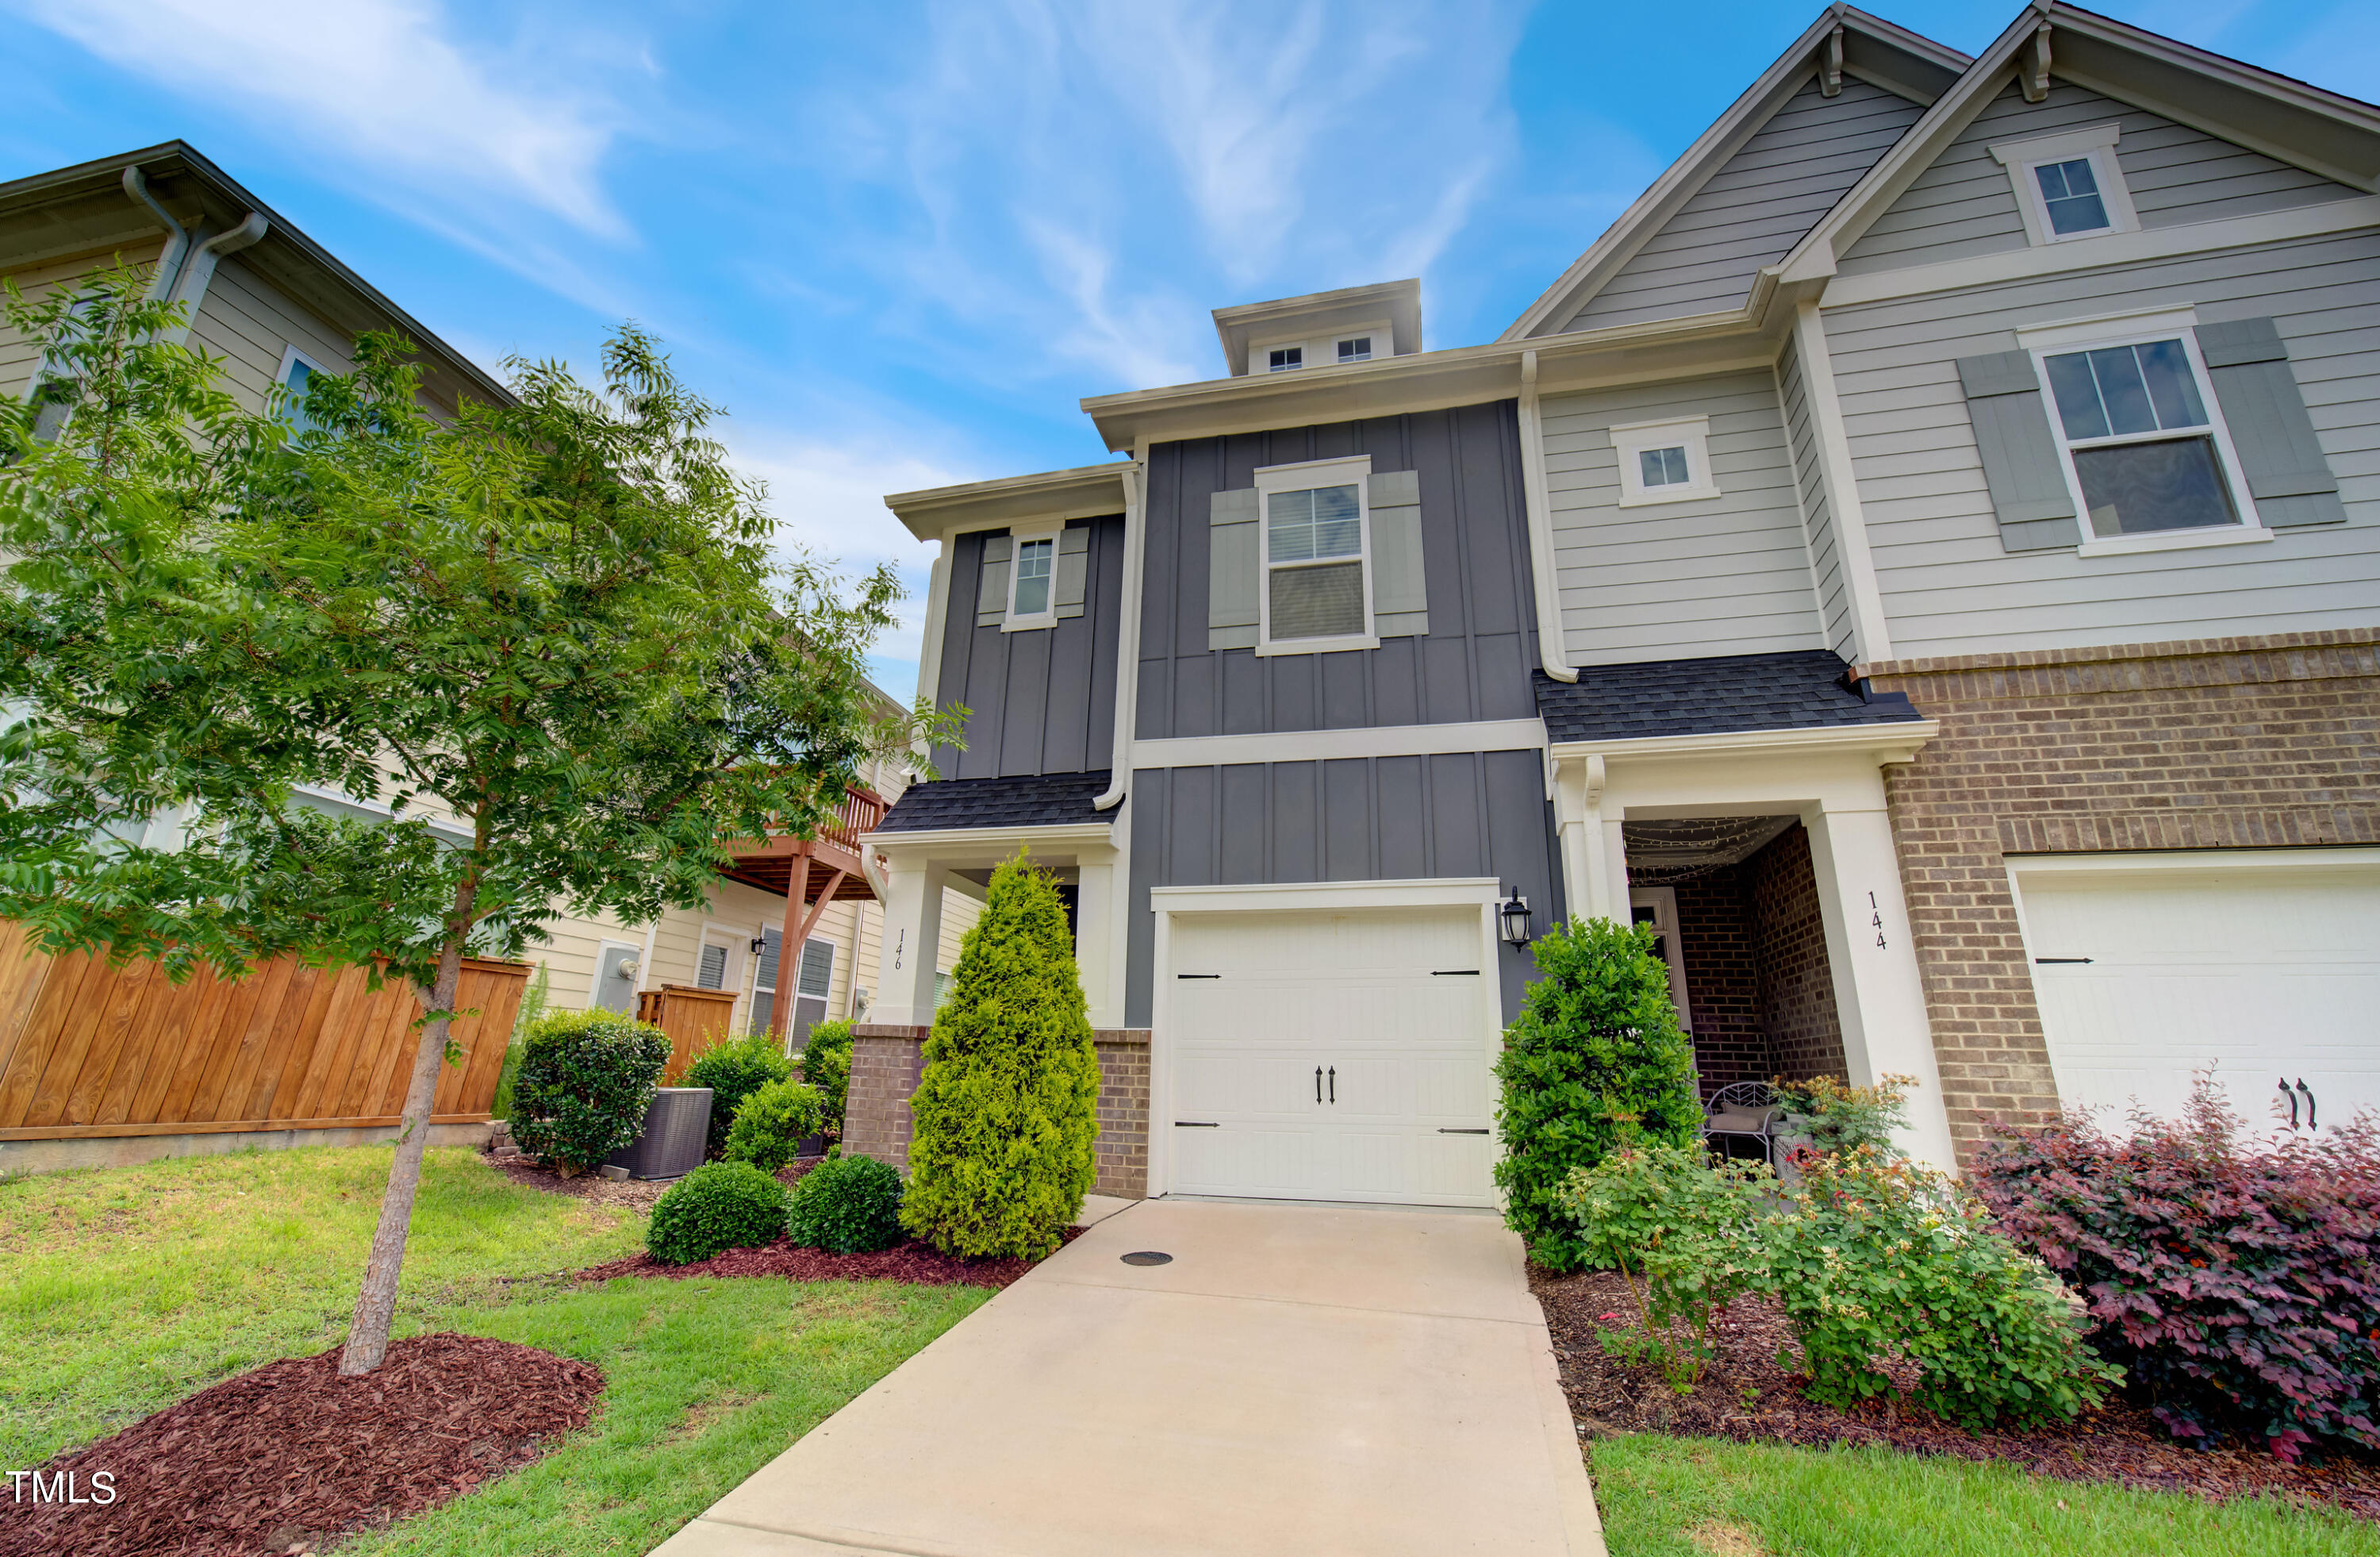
{"x":1300,"y":1380}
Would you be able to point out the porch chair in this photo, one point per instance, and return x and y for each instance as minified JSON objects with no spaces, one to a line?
{"x":1744,"y":1110}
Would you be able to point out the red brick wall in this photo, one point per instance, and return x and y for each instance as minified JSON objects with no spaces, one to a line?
{"x":888,"y":1062}
{"x":1788,"y":935}
{"x":1722,"y":980}
{"x":2228,"y":743}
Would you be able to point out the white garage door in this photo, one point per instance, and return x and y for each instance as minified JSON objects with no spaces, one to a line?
{"x":2264,"y":965}
{"x":1333,"y":1056}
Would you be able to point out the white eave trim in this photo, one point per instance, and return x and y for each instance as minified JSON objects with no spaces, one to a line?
{"x":1066,"y":834}
{"x":1323,"y":745}
{"x":1444,"y":892}
{"x":1903,"y":736}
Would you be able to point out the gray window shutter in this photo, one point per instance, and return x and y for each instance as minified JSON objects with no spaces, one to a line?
{"x":1234,"y":560}
{"x":991,"y":593}
{"x":1074,"y":568}
{"x":2020,"y":461}
{"x":2279,"y":455}
{"x":1399,"y":599}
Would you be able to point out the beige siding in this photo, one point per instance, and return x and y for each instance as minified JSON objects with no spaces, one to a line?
{"x":248,"y":325}
{"x":1755,"y":208}
{"x":1964,"y":205}
{"x":19,"y":357}
{"x":1949,"y":588}
{"x":1729,"y":574}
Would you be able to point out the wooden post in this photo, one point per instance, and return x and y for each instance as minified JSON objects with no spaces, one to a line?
{"x":789,"y":956}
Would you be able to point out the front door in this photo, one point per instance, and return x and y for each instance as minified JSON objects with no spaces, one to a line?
{"x":1333,"y":1056}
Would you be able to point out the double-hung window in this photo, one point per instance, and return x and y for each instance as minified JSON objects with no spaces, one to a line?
{"x":297,"y":368}
{"x":1033,"y":581}
{"x":2142,"y":436}
{"x":1316,"y":574}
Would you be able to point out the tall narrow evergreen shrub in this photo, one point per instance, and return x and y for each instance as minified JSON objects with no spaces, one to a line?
{"x":1001,"y":1157}
{"x":1595,"y":1059}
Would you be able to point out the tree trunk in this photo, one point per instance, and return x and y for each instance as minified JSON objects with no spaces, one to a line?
{"x":376,"y":1305}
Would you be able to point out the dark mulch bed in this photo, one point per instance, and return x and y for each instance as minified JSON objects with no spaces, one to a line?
{"x":908,"y":1261}
{"x":1748,"y":1396}
{"x":290,"y":1456}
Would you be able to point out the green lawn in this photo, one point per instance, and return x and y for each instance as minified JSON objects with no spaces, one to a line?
{"x":1686,"y":1497}
{"x":122,"y":1291}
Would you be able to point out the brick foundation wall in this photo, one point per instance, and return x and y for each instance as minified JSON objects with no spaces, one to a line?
{"x":888,"y":1062}
{"x":2227,"y":743}
{"x":1722,"y":980}
{"x":1788,"y":935}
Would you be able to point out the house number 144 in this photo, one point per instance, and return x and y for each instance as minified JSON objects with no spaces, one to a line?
{"x":1876,"y":918}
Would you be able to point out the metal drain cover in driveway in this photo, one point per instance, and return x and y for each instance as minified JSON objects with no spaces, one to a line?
{"x":1148,"y":1257}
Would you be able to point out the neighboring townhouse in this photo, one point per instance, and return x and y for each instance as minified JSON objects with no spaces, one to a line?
{"x":1923,"y":559}
{"x":271,"y":306}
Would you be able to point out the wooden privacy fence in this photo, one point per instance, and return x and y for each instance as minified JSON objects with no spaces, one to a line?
{"x":90,"y":1050}
{"x":695,"y":1020}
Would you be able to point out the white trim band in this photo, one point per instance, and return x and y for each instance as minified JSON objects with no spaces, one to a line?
{"x":1317,"y":746}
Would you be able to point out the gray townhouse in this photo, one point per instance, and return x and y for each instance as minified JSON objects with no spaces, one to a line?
{"x":1923,"y":559}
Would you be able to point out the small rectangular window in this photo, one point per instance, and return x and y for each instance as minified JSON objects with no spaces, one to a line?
{"x":1035,"y":561}
{"x":1355,"y":348}
{"x":1281,"y":359}
{"x":711,"y":970}
{"x":2070,"y":195}
{"x":1665,"y":467}
{"x":2143,"y":450}
{"x":294,"y":373}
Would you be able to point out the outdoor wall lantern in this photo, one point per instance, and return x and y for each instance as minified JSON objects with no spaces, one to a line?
{"x":761,"y":944}
{"x":1513,"y":916}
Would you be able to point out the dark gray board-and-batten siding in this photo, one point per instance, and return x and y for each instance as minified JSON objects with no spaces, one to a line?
{"x":1041,"y":701}
{"x":1363,"y":819}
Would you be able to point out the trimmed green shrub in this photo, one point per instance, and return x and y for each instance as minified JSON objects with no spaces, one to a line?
{"x":772,"y":1123}
{"x":1688,"y":1229}
{"x":1596,"y":1060}
{"x":1836,"y":1117}
{"x":826,"y":1065}
{"x":1008,"y":1108}
{"x":734,"y":1071}
{"x":847,"y":1205}
{"x":587,"y":1081}
{"x":720,"y":1205}
{"x":1878,"y":1259}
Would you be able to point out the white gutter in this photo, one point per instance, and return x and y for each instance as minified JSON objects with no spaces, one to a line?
{"x":200,"y":268}
{"x":1537,"y":503}
{"x":1135,"y":482}
{"x":177,"y":238}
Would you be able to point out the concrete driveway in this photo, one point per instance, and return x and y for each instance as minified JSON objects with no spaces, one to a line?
{"x":1299,"y":1379}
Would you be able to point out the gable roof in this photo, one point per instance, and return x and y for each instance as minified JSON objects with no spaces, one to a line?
{"x":2288,"y":120}
{"x":1844,"y":41}
{"x":84,"y":210}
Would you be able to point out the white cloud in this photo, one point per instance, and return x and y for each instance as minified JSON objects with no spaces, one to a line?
{"x":381,"y":82}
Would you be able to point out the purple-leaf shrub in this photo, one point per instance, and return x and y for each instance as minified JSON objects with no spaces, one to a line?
{"x":2238,"y":1280}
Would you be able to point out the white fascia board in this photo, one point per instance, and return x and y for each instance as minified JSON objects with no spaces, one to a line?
{"x":1450,"y":891}
{"x":2350,"y":215}
{"x":1316,"y":745}
{"x":1082,"y":492}
{"x":1900,"y":736}
{"x":999,"y":841}
{"x":2113,"y":863}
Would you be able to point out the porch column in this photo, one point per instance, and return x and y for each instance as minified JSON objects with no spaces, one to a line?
{"x":1879,"y":995}
{"x":1588,"y":862}
{"x":1094,"y":904}
{"x":913,"y":934}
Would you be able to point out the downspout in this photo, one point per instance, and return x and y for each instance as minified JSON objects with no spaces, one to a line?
{"x":191,"y":289}
{"x":1539,"y":507}
{"x":1135,"y":504}
{"x":177,"y":238}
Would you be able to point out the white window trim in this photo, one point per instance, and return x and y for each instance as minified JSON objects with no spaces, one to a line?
{"x":1354,"y":469}
{"x":2097,"y":144}
{"x":734,"y":979}
{"x":1012,"y":620}
{"x":291,"y":356}
{"x":1322,"y":350}
{"x":1632,"y":439}
{"x":2140,"y":328}
{"x":1663,"y":901}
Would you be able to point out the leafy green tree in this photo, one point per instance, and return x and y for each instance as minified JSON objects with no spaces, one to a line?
{"x":1595,"y":1061}
{"x":549,"y":638}
{"x":1008,"y":1109}
{"x":826,"y":1065}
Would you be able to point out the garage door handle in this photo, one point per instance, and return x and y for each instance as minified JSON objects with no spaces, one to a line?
{"x":1197,"y":976}
{"x":1445,"y":1132}
{"x":2060,"y":959}
{"x":1454,"y":973}
{"x":1334,"y":1084}
{"x":1197,"y":1124}
{"x":1317,"y":1084}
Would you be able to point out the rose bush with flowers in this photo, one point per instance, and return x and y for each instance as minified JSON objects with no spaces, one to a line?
{"x":2239,"y":1282}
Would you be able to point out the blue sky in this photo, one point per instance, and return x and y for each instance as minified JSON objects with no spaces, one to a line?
{"x":898,"y":242}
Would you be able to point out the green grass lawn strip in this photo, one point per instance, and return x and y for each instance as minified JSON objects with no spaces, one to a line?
{"x":1686,"y":1497}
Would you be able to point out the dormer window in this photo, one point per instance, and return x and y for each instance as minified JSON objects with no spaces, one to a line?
{"x":1665,"y":461}
{"x":1282,"y":358}
{"x":1355,"y":348}
{"x":2068,"y":185}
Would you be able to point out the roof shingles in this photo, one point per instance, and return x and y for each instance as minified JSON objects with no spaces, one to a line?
{"x":1040,"y":800}
{"x":1799,"y":690}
